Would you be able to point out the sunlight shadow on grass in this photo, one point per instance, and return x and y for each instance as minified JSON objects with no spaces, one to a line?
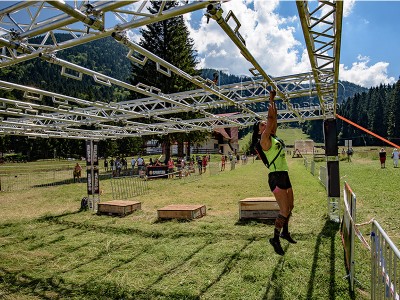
{"x":250,"y":222}
{"x":329,"y":231}
{"x":161,"y":221}
{"x":228,"y":266}
{"x":275,"y":274}
{"x":200,"y":248}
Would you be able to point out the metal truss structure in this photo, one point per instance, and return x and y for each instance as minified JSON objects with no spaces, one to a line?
{"x":84,"y":22}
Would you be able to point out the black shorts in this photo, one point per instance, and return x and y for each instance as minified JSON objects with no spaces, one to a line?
{"x":279,"y":179}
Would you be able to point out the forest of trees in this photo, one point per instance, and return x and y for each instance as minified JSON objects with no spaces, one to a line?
{"x":377,"y":108}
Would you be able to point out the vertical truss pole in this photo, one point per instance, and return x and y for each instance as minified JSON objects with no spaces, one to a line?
{"x":322,"y":34}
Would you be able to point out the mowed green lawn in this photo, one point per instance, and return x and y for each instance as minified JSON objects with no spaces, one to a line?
{"x":50,"y":250}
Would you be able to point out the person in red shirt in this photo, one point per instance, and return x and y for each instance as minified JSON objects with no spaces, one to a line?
{"x":204,"y":163}
{"x":223,"y":161}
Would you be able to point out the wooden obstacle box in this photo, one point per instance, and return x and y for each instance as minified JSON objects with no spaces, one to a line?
{"x":258,"y":208}
{"x":118,"y":207}
{"x":181,"y":211}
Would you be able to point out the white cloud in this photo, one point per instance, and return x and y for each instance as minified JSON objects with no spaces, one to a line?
{"x":348,"y":7}
{"x":364,"y":75}
{"x":269,"y":38}
{"x":134,"y":35}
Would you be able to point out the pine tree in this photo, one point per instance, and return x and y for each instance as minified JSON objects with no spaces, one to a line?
{"x":394,"y":129}
{"x":169,"y":40}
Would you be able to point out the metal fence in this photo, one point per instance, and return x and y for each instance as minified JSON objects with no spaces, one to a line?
{"x":385,"y":265}
{"x":323,"y":176}
{"x":128,"y":187}
{"x":25,"y":181}
{"x":305,"y":161}
{"x":309,"y":164}
{"x":312,"y":167}
{"x":385,"y":256}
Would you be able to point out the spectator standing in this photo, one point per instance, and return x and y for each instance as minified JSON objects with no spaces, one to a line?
{"x":77,"y":173}
{"x":230,"y":156}
{"x":183,"y":167}
{"x":223,"y":161}
{"x":105,"y":164}
{"x":395,"y":156}
{"x":179,"y":166}
{"x":140,"y":164}
{"x":349,"y":154}
{"x":133,"y":163}
{"x":199,"y":164}
{"x":204,"y":163}
{"x":112,"y":165}
{"x":118,"y":167}
{"x":124,"y":163}
{"x":170,"y":168}
{"x":382,"y":157}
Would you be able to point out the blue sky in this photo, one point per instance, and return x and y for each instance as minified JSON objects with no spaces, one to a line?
{"x":369,"y":50}
{"x":372,"y":31}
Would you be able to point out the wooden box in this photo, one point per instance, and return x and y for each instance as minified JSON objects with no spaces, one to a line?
{"x":258,"y":208}
{"x":179,"y":211}
{"x":118,"y":207}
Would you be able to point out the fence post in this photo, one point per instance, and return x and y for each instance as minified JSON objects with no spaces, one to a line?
{"x":373,"y":262}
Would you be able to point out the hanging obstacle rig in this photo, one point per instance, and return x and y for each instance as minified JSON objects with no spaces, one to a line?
{"x":67,"y":116}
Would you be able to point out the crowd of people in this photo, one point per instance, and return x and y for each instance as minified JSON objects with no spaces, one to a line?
{"x":180,"y":166}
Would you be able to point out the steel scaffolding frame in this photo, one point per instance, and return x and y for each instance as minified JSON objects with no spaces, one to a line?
{"x":70,"y":117}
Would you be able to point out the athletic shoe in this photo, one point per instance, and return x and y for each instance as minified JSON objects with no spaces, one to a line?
{"x":277,"y":246}
{"x":287,"y":237}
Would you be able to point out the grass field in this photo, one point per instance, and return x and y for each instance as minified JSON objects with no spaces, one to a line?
{"x":50,"y":250}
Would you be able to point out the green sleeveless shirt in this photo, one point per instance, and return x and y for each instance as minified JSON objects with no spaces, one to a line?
{"x":280,"y":163}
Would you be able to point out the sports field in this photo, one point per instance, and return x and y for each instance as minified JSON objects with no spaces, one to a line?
{"x":50,"y":250}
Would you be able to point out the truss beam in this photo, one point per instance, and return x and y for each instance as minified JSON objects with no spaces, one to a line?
{"x":20,"y":37}
{"x":322,"y":29}
{"x":46,"y":114}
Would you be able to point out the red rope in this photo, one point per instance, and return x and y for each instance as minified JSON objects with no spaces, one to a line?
{"x":367,"y":131}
